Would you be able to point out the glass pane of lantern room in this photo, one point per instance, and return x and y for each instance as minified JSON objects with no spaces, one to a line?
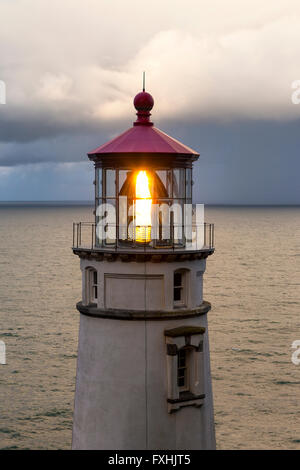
{"x":110,"y":183}
{"x":105,"y":221}
{"x":178,"y":221}
{"x":110,"y":225}
{"x":164,"y":177}
{"x":179,"y":183}
{"x":164,"y":222}
{"x":98,"y":182}
{"x":126,"y":190}
{"x":188,"y":174}
{"x":123,"y":174}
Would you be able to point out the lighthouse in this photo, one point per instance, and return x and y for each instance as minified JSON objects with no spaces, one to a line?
{"x":143,"y":370}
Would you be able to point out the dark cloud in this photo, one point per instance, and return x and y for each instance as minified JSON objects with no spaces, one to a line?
{"x":71,"y":147}
{"x":222,"y":72}
{"x":47,"y":181}
{"x":249,"y":162}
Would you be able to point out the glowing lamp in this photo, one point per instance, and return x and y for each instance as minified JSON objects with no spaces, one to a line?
{"x":143,"y":204}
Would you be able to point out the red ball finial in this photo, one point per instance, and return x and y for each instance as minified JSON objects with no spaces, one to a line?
{"x":143,"y":103}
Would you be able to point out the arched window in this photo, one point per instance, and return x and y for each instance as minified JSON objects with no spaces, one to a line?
{"x":180,"y":285}
{"x":91,"y":285}
{"x":183,"y":369}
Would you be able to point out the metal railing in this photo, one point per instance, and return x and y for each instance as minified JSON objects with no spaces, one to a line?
{"x":87,"y":236}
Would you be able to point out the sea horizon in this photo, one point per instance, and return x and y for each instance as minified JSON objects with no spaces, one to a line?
{"x":70,"y":202}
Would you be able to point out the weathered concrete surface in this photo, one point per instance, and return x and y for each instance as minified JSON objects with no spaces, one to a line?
{"x":121,"y":385}
{"x":121,"y":389}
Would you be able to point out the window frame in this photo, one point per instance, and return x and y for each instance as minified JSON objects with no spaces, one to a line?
{"x":92,"y":287}
{"x":183,"y":288}
{"x":186,"y":386}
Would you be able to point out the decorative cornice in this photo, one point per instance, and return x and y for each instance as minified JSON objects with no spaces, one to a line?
{"x":185,"y":397}
{"x":153,"y":257}
{"x":185,"y":331}
{"x":116,"y":314}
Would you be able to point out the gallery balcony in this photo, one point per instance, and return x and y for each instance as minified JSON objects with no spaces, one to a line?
{"x":196,"y":241}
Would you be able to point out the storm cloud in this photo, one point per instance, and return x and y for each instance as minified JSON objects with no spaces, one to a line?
{"x":221,"y":74}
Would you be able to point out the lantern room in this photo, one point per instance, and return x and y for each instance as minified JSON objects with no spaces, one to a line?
{"x":143,"y":190}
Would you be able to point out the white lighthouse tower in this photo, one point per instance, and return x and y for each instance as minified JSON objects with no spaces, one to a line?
{"x":143,"y":371}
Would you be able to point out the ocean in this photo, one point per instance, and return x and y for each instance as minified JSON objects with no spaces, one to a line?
{"x":252,"y":281}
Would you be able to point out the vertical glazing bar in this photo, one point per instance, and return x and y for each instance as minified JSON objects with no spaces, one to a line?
{"x":172,"y":232}
{"x":117,"y":207}
{"x":96,"y":181}
{"x":134,"y":226}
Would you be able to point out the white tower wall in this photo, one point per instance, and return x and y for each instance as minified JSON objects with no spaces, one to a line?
{"x":126,"y":395}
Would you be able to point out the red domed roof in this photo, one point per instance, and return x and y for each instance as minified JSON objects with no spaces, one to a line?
{"x":143,"y":137}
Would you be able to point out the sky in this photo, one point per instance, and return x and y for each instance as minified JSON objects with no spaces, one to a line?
{"x":221,"y":74}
